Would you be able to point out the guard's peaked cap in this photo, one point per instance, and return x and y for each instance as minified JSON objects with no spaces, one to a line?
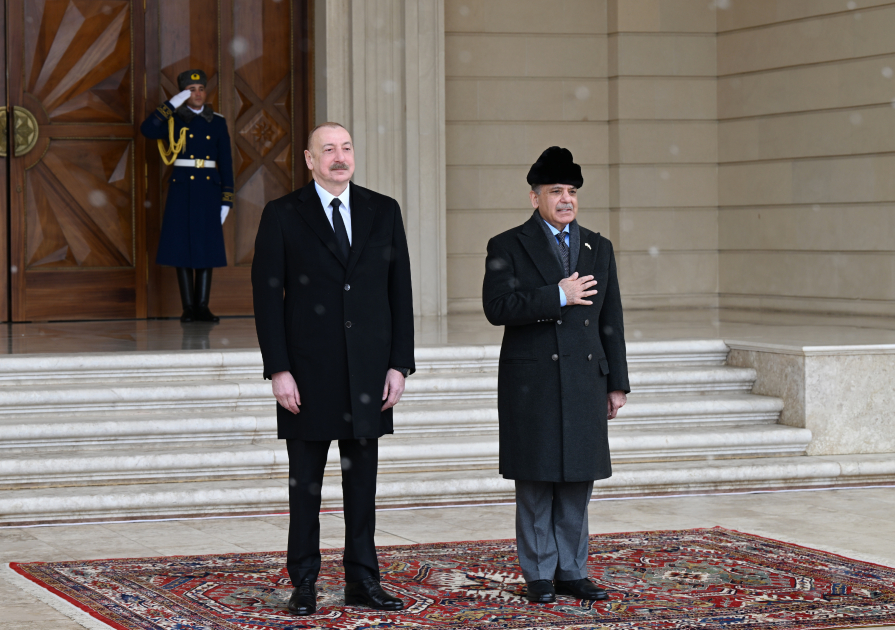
{"x":189,"y":77}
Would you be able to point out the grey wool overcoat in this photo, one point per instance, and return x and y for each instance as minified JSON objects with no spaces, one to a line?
{"x":557,"y":364}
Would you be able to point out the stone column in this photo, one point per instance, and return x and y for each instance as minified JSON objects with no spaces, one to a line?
{"x":384,"y":80}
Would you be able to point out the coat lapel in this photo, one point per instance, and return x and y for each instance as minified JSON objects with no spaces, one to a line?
{"x":538,"y":247}
{"x":312,"y":212}
{"x":587,"y":252}
{"x":362,"y":214}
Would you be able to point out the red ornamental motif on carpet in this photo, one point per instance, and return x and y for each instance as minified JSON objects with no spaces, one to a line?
{"x":711,"y":578}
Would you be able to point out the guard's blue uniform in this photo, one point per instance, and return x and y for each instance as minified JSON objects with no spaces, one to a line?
{"x":192,"y":235}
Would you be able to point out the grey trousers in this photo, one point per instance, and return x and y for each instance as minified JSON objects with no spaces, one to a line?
{"x":551,"y":529}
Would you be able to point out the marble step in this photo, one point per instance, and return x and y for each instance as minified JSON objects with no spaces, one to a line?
{"x":696,"y":379}
{"x":236,"y":364}
{"x":415,"y":454}
{"x":179,"y":428}
{"x":220,"y":394}
{"x":680,"y":410}
{"x":135,"y":396}
{"x":266,"y":496}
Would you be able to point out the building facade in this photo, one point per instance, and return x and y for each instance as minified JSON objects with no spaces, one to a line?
{"x":739,"y":153}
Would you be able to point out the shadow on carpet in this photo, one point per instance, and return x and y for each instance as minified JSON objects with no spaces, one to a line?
{"x":696,"y":578}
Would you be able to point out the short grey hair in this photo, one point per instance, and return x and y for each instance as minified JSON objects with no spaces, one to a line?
{"x":332,"y":125}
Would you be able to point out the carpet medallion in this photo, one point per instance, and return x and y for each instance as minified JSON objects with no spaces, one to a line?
{"x":699,"y":578}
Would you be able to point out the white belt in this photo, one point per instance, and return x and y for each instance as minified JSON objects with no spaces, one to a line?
{"x":196,"y":163}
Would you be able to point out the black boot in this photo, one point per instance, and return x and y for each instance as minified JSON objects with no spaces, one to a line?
{"x":203,"y":292}
{"x":185,"y":282}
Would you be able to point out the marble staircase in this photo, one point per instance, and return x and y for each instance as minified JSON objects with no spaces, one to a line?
{"x":131,"y":435}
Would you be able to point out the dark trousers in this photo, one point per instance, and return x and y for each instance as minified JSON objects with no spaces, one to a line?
{"x":306,"y":462}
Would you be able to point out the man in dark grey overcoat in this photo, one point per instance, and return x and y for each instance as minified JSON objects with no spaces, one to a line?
{"x":553,"y":285}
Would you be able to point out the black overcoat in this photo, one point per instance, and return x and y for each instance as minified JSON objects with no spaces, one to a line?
{"x":556,"y":364}
{"x":192,"y":235}
{"x":337,"y":325}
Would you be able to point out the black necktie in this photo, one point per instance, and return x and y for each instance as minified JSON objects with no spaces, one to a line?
{"x":564,"y":252}
{"x":339,"y":228}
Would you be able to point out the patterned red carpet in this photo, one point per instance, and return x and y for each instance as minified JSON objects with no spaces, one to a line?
{"x":700,"y":578}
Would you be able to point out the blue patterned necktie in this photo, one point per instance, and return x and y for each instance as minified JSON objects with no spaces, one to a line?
{"x":564,"y":252}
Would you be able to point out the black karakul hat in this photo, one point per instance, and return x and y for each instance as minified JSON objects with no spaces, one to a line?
{"x":555,"y":166}
{"x":189,"y":77}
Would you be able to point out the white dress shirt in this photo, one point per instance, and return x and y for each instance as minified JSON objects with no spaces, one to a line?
{"x":345,"y":209}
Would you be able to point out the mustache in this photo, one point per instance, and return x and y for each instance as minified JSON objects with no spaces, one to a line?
{"x":564,"y":206}
{"x":339,"y":166}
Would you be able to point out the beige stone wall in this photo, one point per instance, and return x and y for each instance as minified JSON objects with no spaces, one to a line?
{"x":630,"y":87}
{"x":519,"y":76}
{"x":664,"y":151}
{"x":806,"y":141}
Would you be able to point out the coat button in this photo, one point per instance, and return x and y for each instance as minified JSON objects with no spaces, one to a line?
{"x":587,"y":322}
{"x":347,"y":287}
{"x":192,"y":157}
{"x":209,"y":177}
{"x":589,"y":357}
{"x":347,"y":324}
{"x":191,"y":135}
{"x":192,"y":177}
{"x":559,"y":321}
{"x":208,"y":137}
{"x":555,"y":357}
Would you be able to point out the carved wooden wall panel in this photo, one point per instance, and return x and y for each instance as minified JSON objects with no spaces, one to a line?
{"x":262,"y":79}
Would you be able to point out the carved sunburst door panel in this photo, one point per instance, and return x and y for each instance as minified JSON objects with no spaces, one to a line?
{"x":76,"y":250}
{"x":78,"y":205}
{"x":78,"y":59}
{"x":263,"y":126}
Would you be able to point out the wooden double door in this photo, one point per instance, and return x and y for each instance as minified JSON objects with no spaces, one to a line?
{"x":82,"y":192}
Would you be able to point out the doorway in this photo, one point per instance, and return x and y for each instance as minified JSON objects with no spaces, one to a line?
{"x":82,"y":192}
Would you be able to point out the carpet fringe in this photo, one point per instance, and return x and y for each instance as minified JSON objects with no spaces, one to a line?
{"x":53,"y":601}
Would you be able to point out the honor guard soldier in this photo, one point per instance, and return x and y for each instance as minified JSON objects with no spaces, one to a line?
{"x":200,"y":192}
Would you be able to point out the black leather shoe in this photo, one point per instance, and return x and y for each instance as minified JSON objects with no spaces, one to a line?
{"x":370,"y":593}
{"x":187,"y":315}
{"x":581,"y":589}
{"x":304,"y":599}
{"x":540,"y":592}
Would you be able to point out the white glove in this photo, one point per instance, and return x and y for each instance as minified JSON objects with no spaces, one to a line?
{"x":179,"y":99}
{"x":224,"y":211}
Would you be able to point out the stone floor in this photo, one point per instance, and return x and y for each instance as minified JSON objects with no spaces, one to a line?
{"x":858,"y":523}
{"x":239,"y":332}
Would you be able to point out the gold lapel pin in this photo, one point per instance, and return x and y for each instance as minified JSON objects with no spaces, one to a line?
{"x":587,"y":245}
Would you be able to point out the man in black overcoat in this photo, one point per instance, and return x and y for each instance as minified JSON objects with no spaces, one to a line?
{"x":200,"y":192}
{"x":334,"y":315}
{"x":563,"y":372}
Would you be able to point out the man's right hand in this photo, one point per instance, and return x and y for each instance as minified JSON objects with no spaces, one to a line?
{"x":576,"y":289}
{"x":179,"y":99}
{"x":286,"y":391}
